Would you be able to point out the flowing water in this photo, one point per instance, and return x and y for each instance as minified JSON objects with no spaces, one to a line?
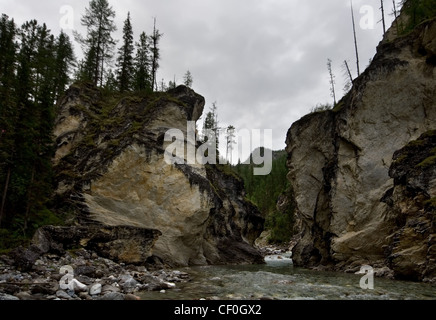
{"x":279,"y":279}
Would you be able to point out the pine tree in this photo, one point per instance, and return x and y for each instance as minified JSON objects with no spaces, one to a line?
{"x":155,"y":55}
{"x":210,"y":127}
{"x":142,"y":64}
{"x":26,"y":142}
{"x":111,"y":84}
{"x":8,"y":110}
{"x":64,"y":62}
{"x":98,"y":44}
{"x":31,"y":178}
{"x":230,"y":141}
{"x":188,"y":81}
{"x":125,"y":61}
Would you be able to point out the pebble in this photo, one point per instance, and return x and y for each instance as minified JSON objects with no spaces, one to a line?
{"x":95,"y":289}
{"x":5,"y":296}
{"x":63,"y":295}
{"x":112,"y":296}
{"x":89,"y":277}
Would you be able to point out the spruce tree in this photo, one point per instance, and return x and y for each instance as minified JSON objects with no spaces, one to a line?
{"x":142,"y":79}
{"x":8,"y":110}
{"x":98,"y":44}
{"x":188,"y":80}
{"x":125,"y":63}
{"x":155,"y":55}
{"x":64,"y":62}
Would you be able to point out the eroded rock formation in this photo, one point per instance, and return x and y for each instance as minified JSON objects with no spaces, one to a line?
{"x":349,"y":211}
{"x":111,"y":170}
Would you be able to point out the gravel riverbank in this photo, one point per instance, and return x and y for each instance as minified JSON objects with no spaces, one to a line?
{"x":81,"y":275}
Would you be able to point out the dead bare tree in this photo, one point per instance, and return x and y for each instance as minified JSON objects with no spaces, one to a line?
{"x":382,"y":8}
{"x":355,"y":38}
{"x":332,"y":80}
{"x":348,"y":76}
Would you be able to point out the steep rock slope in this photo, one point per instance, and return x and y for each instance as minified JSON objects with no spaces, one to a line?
{"x":111,"y":170}
{"x":339,"y":160}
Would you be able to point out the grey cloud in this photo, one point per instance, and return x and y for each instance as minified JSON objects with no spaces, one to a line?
{"x":263,"y":61}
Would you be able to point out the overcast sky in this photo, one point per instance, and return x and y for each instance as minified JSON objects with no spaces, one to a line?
{"x":263,"y":61}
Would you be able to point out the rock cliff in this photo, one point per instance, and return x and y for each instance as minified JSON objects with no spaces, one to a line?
{"x":111,"y":171}
{"x":355,"y":205}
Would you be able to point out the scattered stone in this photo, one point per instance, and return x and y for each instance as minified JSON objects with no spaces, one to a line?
{"x":46,"y":289}
{"x":95,"y":289}
{"x":24,"y":259}
{"x":77,"y":286}
{"x":131,"y":297}
{"x":90,"y":277}
{"x":88,"y":271}
{"x":5,"y":296}
{"x":63,"y":295}
{"x":168,"y":285}
{"x":84,"y":296}
{"x":112,"y":296}
{"x":25,"y":296}
{"x":11,"y":289}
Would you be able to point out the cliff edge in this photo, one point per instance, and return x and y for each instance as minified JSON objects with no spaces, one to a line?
{"x":354,"y":205}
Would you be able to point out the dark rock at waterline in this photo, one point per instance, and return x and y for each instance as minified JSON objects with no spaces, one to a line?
{"x":123,"y":244}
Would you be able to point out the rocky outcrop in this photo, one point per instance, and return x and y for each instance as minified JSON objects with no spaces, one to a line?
{"x":121,"y":244}
{"x":412,"y":252}
{"x":339,"y":163}
{"x":111,"y":170}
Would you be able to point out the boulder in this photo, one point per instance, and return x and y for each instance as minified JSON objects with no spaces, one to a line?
{"x":111,"y":170}
{"x":123,"y":243}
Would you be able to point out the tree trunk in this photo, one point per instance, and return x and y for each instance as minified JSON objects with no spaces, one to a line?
{"x":383,"y":16}
{"x":355,"y":40}
{"x":29,"y":194}
{"x":5,"y":192}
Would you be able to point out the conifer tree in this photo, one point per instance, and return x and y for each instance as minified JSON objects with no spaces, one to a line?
{"x":155,"y":54}
{"x":188,"y":81}
{"x":125,"y":61}
{"x":98,"y":44}
{"x":8,"y":110}
{"x":33,"y":79}
{"x":64,"y":62}
{"x":142,"y":79}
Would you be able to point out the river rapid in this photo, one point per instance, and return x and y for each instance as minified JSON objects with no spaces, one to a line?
{"x":278,"y":279}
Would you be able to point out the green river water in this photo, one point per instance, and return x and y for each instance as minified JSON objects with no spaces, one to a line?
{"x":280,"y":280}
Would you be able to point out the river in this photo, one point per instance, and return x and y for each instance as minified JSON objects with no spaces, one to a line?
{"x":278,"y":279}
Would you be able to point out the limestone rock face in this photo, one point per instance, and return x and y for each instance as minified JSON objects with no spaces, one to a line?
{"x":111,"y":170}
{"x":339,"y":160}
